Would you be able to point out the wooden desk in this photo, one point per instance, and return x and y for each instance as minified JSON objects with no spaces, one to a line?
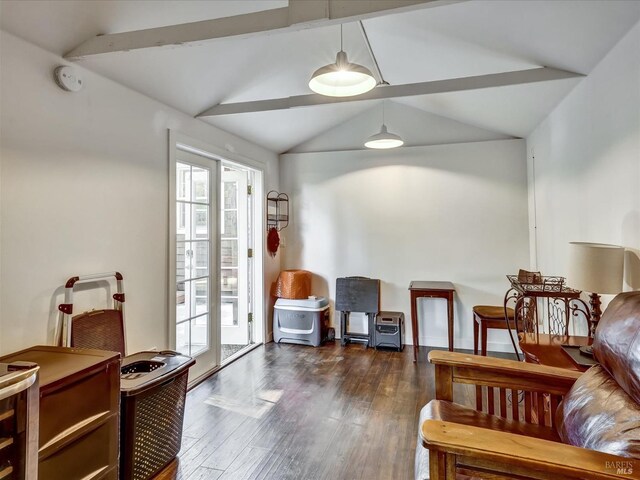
{"x":421,"y":289}
{"x":545,"y":349}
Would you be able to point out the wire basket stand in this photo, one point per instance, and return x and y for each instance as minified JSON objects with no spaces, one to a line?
{"x":543,"y":304}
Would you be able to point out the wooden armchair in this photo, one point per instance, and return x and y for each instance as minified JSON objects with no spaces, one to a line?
{"x":513,"y":430}
{"x":515,"y":450}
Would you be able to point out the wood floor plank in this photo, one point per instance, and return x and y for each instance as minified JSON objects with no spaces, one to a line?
{"x":195,"y":456}
{"x":228,"y":450}
{"x":204,"y":473}
{"x":373,"y":443}
{"x":288,"y":412}
{"x":317,"y":442}
{"x":338,"y":453}
{"x":244,"y":464}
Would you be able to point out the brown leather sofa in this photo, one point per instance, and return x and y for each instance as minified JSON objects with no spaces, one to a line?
{"x":587,"y":425}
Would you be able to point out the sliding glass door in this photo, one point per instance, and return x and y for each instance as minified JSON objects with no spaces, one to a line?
{"x":215,"y":277}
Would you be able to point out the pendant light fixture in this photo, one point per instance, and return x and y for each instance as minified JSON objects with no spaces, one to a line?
{"x":342,"y":79}
{"x":384,"y":139}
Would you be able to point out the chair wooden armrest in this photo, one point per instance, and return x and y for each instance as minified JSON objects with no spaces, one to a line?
{"x":453,"y":367}
{"x":505,"y":455}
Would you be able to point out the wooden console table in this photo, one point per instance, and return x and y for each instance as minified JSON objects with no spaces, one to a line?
{"x":420,"y":289}
{"x":545,"y":349}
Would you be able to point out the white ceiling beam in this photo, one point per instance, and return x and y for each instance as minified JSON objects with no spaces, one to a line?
{"x":299,"y":15}
{"x":492,"y":80}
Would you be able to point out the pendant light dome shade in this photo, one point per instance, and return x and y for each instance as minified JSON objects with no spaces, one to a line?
{"x":342,"y":79}
{"x":384,"y":139}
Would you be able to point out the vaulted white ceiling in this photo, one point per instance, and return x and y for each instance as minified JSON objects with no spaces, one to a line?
{"x":458,"y":40}
{"x":418,"y":127}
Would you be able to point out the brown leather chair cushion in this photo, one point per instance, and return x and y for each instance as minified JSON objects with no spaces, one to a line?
{"x":617,"y":342}
{"x":597,"y":414}
{"x":488,"y":311}
{"x":453,"y":412}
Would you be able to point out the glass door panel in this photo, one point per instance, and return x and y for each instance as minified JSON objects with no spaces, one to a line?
{"x":234,"y":278}
{"x":195,"y":258}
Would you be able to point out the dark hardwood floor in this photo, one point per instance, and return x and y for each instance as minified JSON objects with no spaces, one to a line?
{"x":296,"y":412}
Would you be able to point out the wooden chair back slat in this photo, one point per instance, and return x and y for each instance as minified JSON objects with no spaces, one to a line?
{"x":527,"y":407}
{"x":515,"y":402}
{"x":490,"y":401}
{"x":503,"y":402}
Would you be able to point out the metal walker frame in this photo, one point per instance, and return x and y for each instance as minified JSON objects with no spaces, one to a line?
{"x":65,"y":318}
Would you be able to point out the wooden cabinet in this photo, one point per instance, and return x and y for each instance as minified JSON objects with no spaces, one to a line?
{"x":18,"y":421}
{"x":79,"y":412}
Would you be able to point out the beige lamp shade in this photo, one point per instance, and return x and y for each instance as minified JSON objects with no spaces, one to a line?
{"x":596,"y":267}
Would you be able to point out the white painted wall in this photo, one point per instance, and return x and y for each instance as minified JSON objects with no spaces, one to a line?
{"x":585,"y":184}
{"x":448,"y":212}
{"x":84,"y":189}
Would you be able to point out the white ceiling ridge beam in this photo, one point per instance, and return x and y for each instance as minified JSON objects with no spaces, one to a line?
{"x":492,"y":80}
{"x":299,"y":15}
{"x":292,"y":151}
{"x":404,"y":106}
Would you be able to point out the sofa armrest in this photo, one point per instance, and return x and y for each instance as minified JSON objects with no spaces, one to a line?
{"x":455,"y":445}
{"x":453,"y":367}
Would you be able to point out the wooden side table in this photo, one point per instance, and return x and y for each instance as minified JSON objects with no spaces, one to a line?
{"x":545,"y":349}
{"x":422,"y":289}
{"x":486,"y":317}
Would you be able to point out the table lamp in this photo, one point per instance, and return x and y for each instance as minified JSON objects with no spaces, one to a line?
{"x":596,"y":268}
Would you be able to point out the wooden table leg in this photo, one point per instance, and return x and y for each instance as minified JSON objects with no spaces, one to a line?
{"x":450,"y":315}
{"x":414,"y":325}
{"x":475,"y":335}
{"x":484,"y":339}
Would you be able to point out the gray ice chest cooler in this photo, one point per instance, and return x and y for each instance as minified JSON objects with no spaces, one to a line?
{"x":305,"y":322}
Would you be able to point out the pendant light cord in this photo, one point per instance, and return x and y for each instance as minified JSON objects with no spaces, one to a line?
{"x":341,"y":38}
{"x":383,"y":112}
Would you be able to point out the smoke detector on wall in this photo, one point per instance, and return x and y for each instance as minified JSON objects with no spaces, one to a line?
{"x":67,"y":78}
